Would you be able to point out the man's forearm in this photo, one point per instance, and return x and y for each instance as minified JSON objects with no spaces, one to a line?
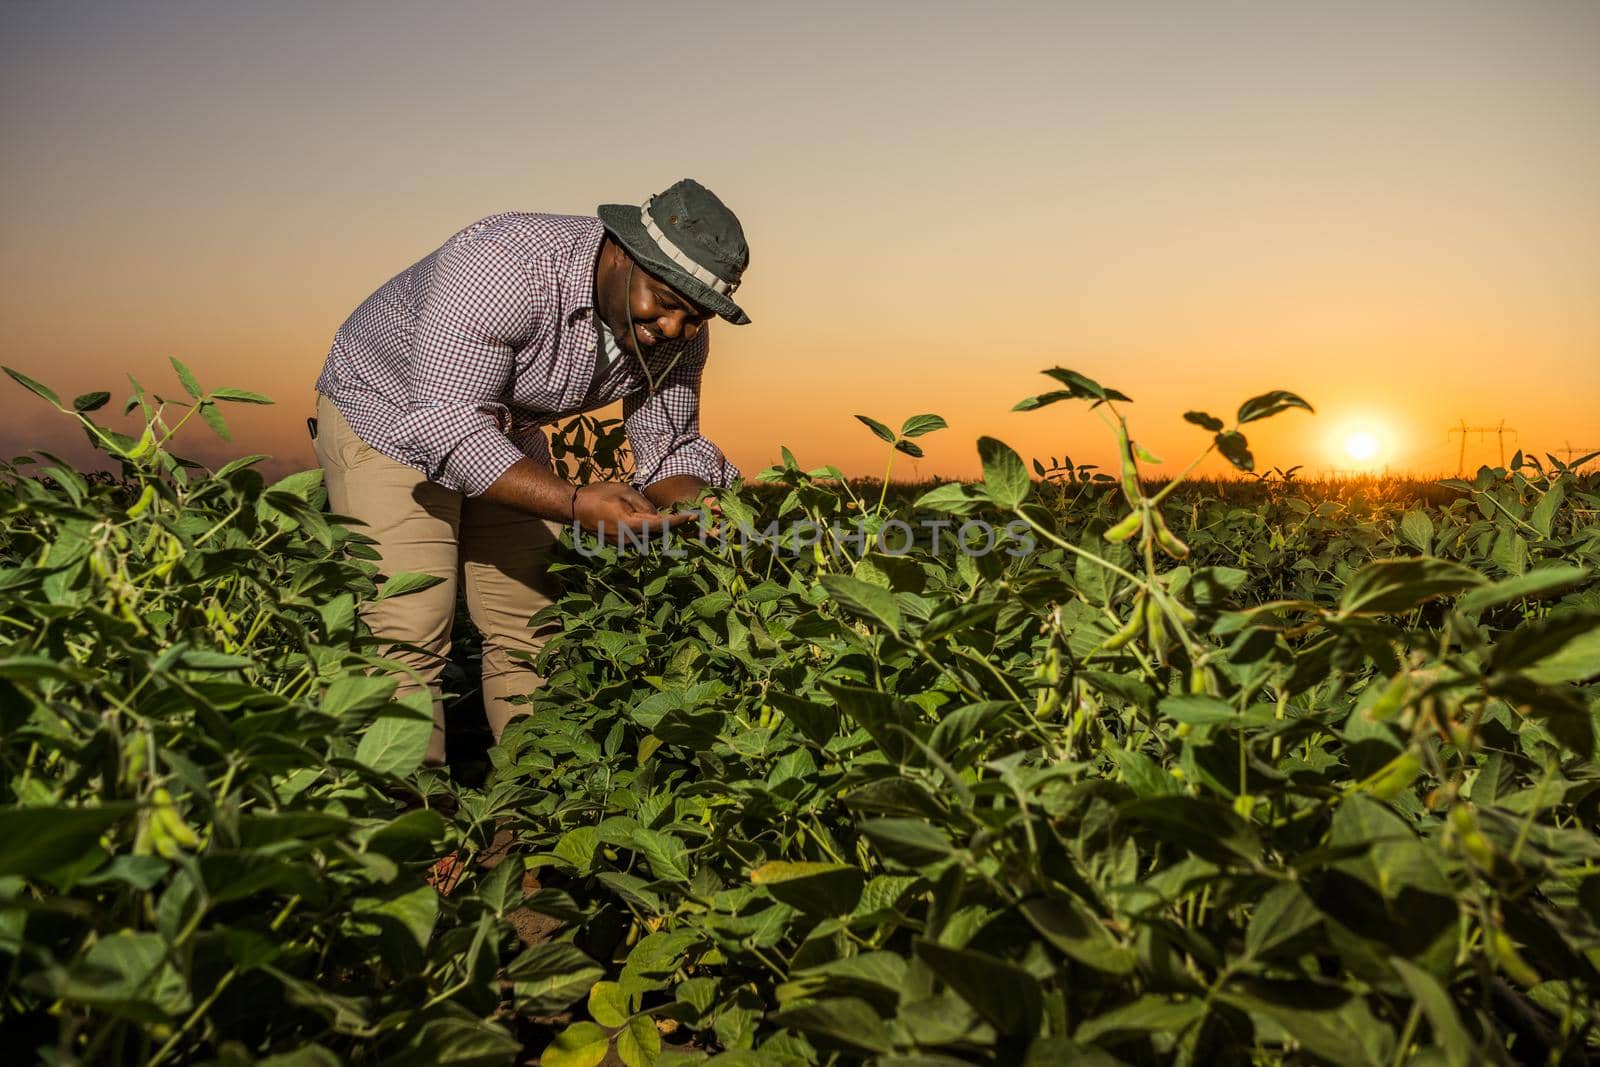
{"x":529,"y":487}
{"x":678,"y":489}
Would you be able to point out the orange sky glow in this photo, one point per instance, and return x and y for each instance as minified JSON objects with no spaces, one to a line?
{"x":1392,"y":209}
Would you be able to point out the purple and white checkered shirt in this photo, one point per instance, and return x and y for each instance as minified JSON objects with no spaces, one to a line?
{"x":455,"y":363}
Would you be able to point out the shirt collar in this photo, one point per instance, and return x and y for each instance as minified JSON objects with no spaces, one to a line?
{"x":580,"y":273}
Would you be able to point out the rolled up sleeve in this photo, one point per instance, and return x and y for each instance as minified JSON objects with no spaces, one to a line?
{"x":479,"y":309}
{"x":664,"y":428}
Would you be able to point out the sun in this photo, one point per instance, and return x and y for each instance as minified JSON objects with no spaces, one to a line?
{"x":1361,"y":445}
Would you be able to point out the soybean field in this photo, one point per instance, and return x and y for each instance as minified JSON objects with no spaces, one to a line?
{"x":1061,"y":766}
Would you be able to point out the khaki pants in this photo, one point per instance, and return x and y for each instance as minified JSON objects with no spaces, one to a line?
{"x":499,"y":552}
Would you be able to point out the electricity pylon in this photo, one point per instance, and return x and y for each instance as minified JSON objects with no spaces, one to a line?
{"x":1463,"y":429}
{"x":1577,"y":450}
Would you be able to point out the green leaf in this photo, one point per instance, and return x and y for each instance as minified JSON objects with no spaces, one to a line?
{"x":667,"y":856}
{"x":1324,"y":1033}
{"x":312,"y":1055}
{"x":1049,"y":1052}
{"x":1284,"y":913}
{"x":91,"y":401}
{"x":1510,"y":551}
{"x":820,"y":889}
{"x":454,"y":1041}
{"x":1144,"y":775}
{"x":213,"y":418}
{"x":35,"y":841}
{"x":819,"y":722}
{"x":416,"y":911}
{"x":1212,"y":586}
{"x":846,"y":1022}
{"x":205,"y":659}
{"x":550,"y":976}
{"x":350,"y":693}
{"x":1268,"y":404}
{"x":885,"y":892}
{"x":639,"y":1042}
{"x":1448,"y":1032}
{"x":303,"y":485}
{"x":1151,"y":1013}
{"x":910,"y":841}
{"x":1393,"y":586}
{"x":190,"y":385}
{"x":891,"y":721}
{"x":1236,"y":450}
{"x":1085,"y":388}
{"x":141,"y":872}
{"x":1073,"y":929}
{"x":877,"y":976}
{"x":1008,"y":997}
{"x":1530,"y":586}
{"x":961,"y":617}
{"x":1033,"y":403}
{"x":877,"y":427}
{"x":33,"y":386}
{"x":1197,"y":710}
{"x":864,"y":598}
{"x":240,"y":396}
{"x":37,"y":669}
{"x":1004,"y":476}
{"x":122,"y":968}
{"x":1204,"y":827}
{"x":917,"y":425}
{"x":654,"y":959}
{"x":407,"y":582}
{"x":635,"y":891}
{"x":579,"y":1045}
{"x":395,"y":743}
{"x":578,"y":847}
{"x":912,"y":450}
{"x":239,"y":464}
{"x":1418,"y":529}
{"x":501,"y":889}
{"x":607,"y":1005}
{"x":405,"y":837}
{"x":1544,"y":512}
{"x":952,"y":497}
{"x":1203,"y":420}
{"x":1558,"y":648}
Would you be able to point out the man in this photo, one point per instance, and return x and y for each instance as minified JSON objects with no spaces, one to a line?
{"x":430,"y":405}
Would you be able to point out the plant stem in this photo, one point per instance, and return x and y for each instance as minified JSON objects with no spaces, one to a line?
{"x":883,"y":492}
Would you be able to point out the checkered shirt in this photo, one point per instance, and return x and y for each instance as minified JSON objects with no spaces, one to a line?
{"x":455,"y":364}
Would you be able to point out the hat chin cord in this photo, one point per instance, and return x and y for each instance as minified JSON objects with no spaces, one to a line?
{"x":651,"y":381}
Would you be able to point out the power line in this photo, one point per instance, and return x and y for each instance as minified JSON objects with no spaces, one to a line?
{"x":1577,"y":450}
{"x":1499,"y":430}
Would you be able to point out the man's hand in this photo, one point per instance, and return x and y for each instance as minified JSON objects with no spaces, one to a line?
{"x":680,"y":491}
{"x":608,"y":508}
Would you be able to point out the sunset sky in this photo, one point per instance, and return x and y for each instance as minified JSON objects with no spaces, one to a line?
{"x":1391,"y":208}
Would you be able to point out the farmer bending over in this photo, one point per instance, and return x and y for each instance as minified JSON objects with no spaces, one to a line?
{"x":432,"y":399}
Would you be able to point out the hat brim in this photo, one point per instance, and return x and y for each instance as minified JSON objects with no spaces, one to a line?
{"x":622,"y":222}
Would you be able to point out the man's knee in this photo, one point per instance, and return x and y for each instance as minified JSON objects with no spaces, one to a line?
{"x":417,"y":633}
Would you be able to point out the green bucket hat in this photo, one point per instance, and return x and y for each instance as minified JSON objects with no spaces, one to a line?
{"x":689,"y":239}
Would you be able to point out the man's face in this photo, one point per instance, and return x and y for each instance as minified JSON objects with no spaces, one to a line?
{"x":660,"y":313}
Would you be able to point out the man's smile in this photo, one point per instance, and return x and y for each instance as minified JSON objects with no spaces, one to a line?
{"x":646,"y":337}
